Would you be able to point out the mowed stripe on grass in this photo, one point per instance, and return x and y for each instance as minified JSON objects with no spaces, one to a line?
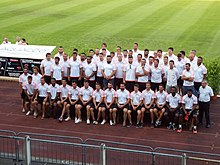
{"x":183,"y":24}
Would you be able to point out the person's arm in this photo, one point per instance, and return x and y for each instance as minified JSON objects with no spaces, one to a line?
{"x":151,"y":103}
{"x":131,"y":101}
{"x":146,"y":72}
{"x":81,"y":73}
{"x":68,"y":73}
{"x":90,"y":98}
{"x":80,"y":98}
{"x":184,"y":108}
{"x":100,"y":101}
{"x":103,"y":73}
{"x":42,"y":70}
{"x":124,"y":75}
{"x":112,"y":74}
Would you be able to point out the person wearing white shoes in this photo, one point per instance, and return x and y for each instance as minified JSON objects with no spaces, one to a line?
{"x":109,"y":99}
{"x":36,"y":76}
{"x":97,"y":104}
{"x":85,"y":97}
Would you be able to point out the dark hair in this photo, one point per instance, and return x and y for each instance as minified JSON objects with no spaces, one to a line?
{"x":151,"y":57}
{"x":101,"y":53}
{"x":188,"y":64}
{"x":83,"y":53}
{"x":183,"y":52}
{"x":122,"y":83}
{"x":74,"y":81}
{"x":60,"y":46}
{"x":136,"y":85}
{"x":86,"y":81}
{"x":200,"y":57}
{"x":172,"y":61}
{"x":75,"y":50}
{"x":161,"y":85}
{"x":146,"y":50}
{"x":159,"y":50}
{"x":156,"y":60}
{"x":97,"y":83}
{"x":29,"y":77}
{"x":104,"y":44}
{"x":53,"y":79}
{"x":136,"y":43}
{"x":112,"y":53}
{"x":140,"y":55}
{"x":63,"y":79}
{"x":75,"y":53}
{"x":125,"y":50}
{"x":48,"y":54}
{"x":91,"y":50}
{"x":173,"y":87}
{"x":165,"y":57}
{"x":42,"y":78}
{"x":35,"y":67}
{"x":108,"y":56}
{"x":189,"y":90}
{"x":25,"y":68}
{"x":179,"y":55}
{"x":58,"y":58}
{"x":89,"y":57}
{"x":103,"y":49}
{"x":119,"y":47}
{"x":171,"y":48}
{"x":130,"y":57}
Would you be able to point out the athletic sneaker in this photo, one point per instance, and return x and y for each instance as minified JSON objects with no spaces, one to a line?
{"x":28,"y":113}
{"x":111,"y":123}
{"x":87,"y":121}
{"x":174,"y":126}
{"x":152,"y":125}
{"x":95,"y":122}
{"x":137,"y":125}
{"x":75,"y":119}
{"x":23,"y":110}
{"x":103,"y":122}
{"x":68,"y":119}
{"x":78,"y":121}
{"x":170,"y":125}
{"x":195,"y":130}
{"x":60,"y":119}
{"x":129,"y":125}
{"x":179,"y":130}
{"x":157,"y":123}
{"x":141,"y":125}
{"x":35,"y":114}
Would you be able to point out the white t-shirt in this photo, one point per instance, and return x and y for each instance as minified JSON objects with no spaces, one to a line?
{"x":89,"y":69}
{"x":36,"y":78}
{"x":57,"y":71}
{"x":161,"y":97}
{"x":86,"y":93}
{"x":59,"y":55}
{"x":205,"y":94}
{"x":142,"y":79}
{"x":156,"y":74}
{"x":189,"y":73}
{"x":65,"y":65}
{"x":42,"y":90}
{"x":100,"y":65}
{"x":165,"y":68}
{"x":75,"y":67}
{"x":64,"y":90}
{"x":74,"y":93}
{"x":53,"y":90}
{"x":199,"y":72}
{"x":108,"y":69}
{"x":109,"y":95}
{"x":189,"y":101}
{"x":180,"y":66}
{"x":30,"y":87}
{"x":173,"y":101}
{"x":172,"y":76}
{"x":47,"y":66}
{"x":130,"y":70}
{"x":122,"y":96}
{"x":172,"y":57}
{"x":23,"y":78}
{"x":148,"y":96}
{"x":119,"y":69}
{"x":136,"y":97}
{"x":97,"y":95}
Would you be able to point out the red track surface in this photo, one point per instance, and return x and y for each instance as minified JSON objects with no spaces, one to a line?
{"x":207,"y":140}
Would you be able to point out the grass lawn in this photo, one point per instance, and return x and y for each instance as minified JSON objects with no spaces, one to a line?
{"x":85,"y":24}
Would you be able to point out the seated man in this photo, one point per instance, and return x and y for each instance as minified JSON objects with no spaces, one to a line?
{"x":160,"y":104}
{"x":136,"y":105}
{"x":41,"y":97}
{"x":85,"y":97}
{"x":109,"y":99}
{"x":122,"y":101}
{"x":62,"y":103}
{"x":148,"y":104}
{"x":173,"y":112}
{"x":98,"y":105}
{"x":189,"y":104}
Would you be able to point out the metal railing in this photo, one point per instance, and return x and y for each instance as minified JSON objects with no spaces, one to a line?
{"x":30,"y":149}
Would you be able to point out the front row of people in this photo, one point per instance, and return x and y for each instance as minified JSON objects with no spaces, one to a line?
{"x":120,"y":104}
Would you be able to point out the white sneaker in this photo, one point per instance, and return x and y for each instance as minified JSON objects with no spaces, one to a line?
{"x":95,"y":122}
{"x":78,"y":121}
{"x":111,"y":123}
{"x":68,"y":119}
{"x":103,"y":122}
{"x":28,"y":113}
{"x":88,"y":121}
{"x":23,"y":110}
{"x":35,"y":114}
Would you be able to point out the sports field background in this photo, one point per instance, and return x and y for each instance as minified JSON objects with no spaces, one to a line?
{"x":85,"y":24}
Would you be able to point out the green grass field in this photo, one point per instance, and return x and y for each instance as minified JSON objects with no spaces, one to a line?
{"x":85,"y":24}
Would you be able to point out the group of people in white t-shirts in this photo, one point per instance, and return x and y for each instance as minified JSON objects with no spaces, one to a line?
{"x":19,"y":41}
{"x":121,"y":86}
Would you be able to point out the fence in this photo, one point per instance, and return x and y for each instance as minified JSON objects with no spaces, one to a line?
{"x":41,"y":149}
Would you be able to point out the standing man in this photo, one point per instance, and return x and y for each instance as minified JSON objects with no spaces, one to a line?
{"x":120,"y":64}
{"x":171,"y":56}
{"x":65,"y":66}
{"x":60,"y":53}
{"x":205,"y":94}
{"x":45,"y":68}
{"x":180,"y":66}
{"x":57,"y":71}
{"x":142,"y":73}
{"x":100,"y":63}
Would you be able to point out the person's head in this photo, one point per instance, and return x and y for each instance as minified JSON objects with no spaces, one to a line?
{"x":112,"y":54}
{"x":74,"y":55}
{"x":109,"y":85}
{"x":165,"y":60}
{"x":65,"y":57}
{"x":97,"y":86}
{"x":135,"y":46}
{"x":104,"y":51}
{"x":170,"y":50}
{"x":189,"y":92}
{"x":179,"y":56}
{"x":109,"y":59}
{"x":125,"y":52}
{"x":136,"y":87}
{"x":193,"y":52}
{"x":18,"y":39}
{"x":104,"y":45}
{"x":143,"y":62}
{"x":191,"y":57}
{"x":199,"y":61}
{"x":53,"y":81}
{"x":86,"y":84}
{"x":57,"y":60}
{"x":148,"y":86}
{"x":74,"y":84}
{"x":183,"y":53}
{"x":97,"y":51}
{"x":130,"y":59}
{"x":204,"y":83}
{"x":156,"y":62}
{"x":42,"y":80}
{"x":120,"y":57}
{"x":48,"y":56}
{"x":118,"y":49}
{"x":29,"y":79}
{"x":64,"y":82}
{"x":122,"y":86}
{"x":146,"y":52}
{"x":60,"y":49}
{"x":173,"y":91}
{"x":89,"y":59}
{"x":161,"y":88}
{"x":171,"y":63}
{"x":187,"y":66}
{"x":91,"y":52}
{"x":82,"y":56}
{"x":6,"y":39}
{"x":23,"y":41}
{"x":159,"y":53}
{"x":130,"y":53}
{"x":35,"y":70}
{"x":139,"y":57}
{"x":75,"y":50}
{"x":151,"y":60}
{"x":101,"y":57}
{"x":155,"y":54}
{"x":25,"y":70}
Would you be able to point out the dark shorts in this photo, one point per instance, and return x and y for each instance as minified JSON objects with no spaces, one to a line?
{"x":23,"y":95}
{"x":138,"y":109}
{"x":152,"y":106}
{"x":40,"y":100}
{"x":127,"y":106}
{"x":27,"y":99}
{"x":159,"y":109}
{"x":47,"y":79}
{"x":112,"y":106}
{"x":78,"y":102}
{"x":193,"y":113}
{"x":86,"y":104}
{"x":142,"y":86}
{"x":66,"y":101}
{"x":93,"y":106}
{"x":130,"y":85}
{"x":178,"y":112}
{"x":155,"y":86}
{"x":180,"y":82}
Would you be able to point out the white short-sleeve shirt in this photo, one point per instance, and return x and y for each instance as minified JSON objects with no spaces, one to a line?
{"x":36,"y":78}
{"x":57,"y":71}
{"x":156,"y":74}
{"x":119,"y":69}
{"x":173,"y":101}
{"x":199,"y":72}
{"x":148,"y":96}
{"x":47,"y":66}
{"x":189,"y":73}
{"x":53,"y":90}
{"x":74,"y":93}
{"x":97,"y":95}
{"x":136,"y":97}
{"x":42,"y":89}
{"x":122,"y":96}
{"x":205,"y":94}
{"x":172,"y":76}
{"x":142,"y":79}
{"x":189,"y":101}
{"x":108,"y":69}
{"x":75,"y":67}
{"x":86,"y":93}
{"x":161,"y":97}
{"x":89,"y":69}
{"x":109,"y":95}
{"x":130,"y":70}
{"x":180,"y":66}
{"x":65,"y":65}
{"x":64,"y":90}
{"x":23,"y":78}
{"x":30,"y":87}
{"x":100,"y":65}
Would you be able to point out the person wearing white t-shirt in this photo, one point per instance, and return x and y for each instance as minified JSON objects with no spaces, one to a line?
{"x":138,"y":60}
{"x":165,"y":67}
{"x":146,"y":55}
{"x":136,"y":105}
{"x":205,"y":95}
{"x":64,"y":100}
{"x":109,"y":100}
{"x":40,"y":97}
{"x":6,"y":41}
{"x":188,"y":79}
{"x":180,"y":66}
{"x":148,"y":104}
{"x":18,"y":41}
{"x":173,"y":112}
{"x":36,"y":75}
{"x":171,"y":56}
{"x":96,"y":57}
{"x":189,"y":104}
{"x":160,"y":104}
{"x":105,"y":53}
{"x":142,"y":73}
{"x":108,"y":72}
{"x":100,"y":63}
{"x":129,"y":74}
{"x":60,"y":53}
{"x":120,"y":64}
{"x":172,"y":76}
{"x":65,"y":66}
{"x":135,"y":51}
{"x":157,"y":74}
{"x":45,"y":68}
{"x":200,"y":72}
{"x":160,"y":57}
{"x":150,"y":65}
{"x":89,"y":71}
{"x":57,"y":71}
{"x":183,"y":56}
{"x":122,"y":101}
{"x":75,"y":70}
{"x":125,"y":56}
{"x":104,"y":46}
